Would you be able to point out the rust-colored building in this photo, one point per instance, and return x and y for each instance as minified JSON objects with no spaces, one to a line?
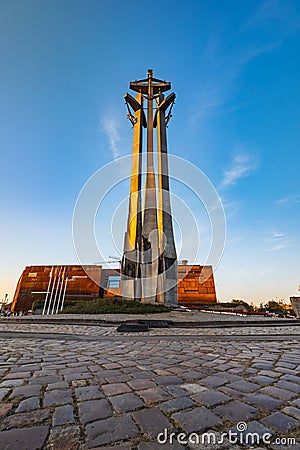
{"x":195,"y":285}
{"x":36,"y":280}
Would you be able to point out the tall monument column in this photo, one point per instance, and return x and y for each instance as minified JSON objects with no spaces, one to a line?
{"x":131,"y":270}
{"x":149,"y":264}
{"x":165,"y":226}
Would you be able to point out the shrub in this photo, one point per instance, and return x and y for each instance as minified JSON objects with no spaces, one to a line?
{"x":115,"y":305}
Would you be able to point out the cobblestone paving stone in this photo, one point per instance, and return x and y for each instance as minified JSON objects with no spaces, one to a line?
{"x":119,"y":393}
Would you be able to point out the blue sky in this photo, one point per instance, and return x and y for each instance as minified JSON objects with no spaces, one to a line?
{"x":235,"y":69}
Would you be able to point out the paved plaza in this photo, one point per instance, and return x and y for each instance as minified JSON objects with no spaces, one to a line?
{"x":93,"y":388}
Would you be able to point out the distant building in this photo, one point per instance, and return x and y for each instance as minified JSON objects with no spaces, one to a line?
{"x":295,"y":302}
{"x":70,"y":283}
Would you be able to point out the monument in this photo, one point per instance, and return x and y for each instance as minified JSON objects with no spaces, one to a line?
{"x":149,"y":263}
{"x":149,"y":270}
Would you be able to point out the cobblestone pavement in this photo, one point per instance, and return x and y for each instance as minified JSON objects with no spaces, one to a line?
{"x":195,"y":316}
{"x":120,"y":393}
{"x":112,"y":330}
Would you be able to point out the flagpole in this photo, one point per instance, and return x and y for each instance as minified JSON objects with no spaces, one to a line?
{"x":52,"y":290}
{"x":64,"y":294}
{"x":61,"y":289}
{"x":48,"y":291}
{"x":57,"y":287}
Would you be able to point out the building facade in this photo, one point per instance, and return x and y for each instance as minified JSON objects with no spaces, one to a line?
{"x":56,"y":285}
{"x":295,"y":302}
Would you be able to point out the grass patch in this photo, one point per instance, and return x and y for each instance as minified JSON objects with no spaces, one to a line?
{"x":113,"y":306}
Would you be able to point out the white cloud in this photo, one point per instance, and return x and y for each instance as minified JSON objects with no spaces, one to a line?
{"x":289,"y":200}
{"x":277,"y":241}
{"x":279,"y":246}
{"x":278,"y":235}
{"x":110,"y":127}
{"x":274,"y":235}
{"x":242,"y":166}
{"x":218,"y":82}
{"x":254,"y":51}
{"x":277,"y":15}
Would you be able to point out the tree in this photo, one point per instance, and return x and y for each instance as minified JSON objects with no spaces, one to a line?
{"x":242,"y":303}
{"x":275,"y":308}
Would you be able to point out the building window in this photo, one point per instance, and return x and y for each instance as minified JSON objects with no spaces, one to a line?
{"x":113,"y":282}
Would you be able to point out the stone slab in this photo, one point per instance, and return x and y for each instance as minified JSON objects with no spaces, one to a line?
{"x":126,"y":402}
{"x":198,"y":419}
{"x":63,"y":415}
{"x":32,"y":438}
{"x":236,"y":411}
{"x":280,"y":422}
{"x":151,"y":421}
{"x":110,"y":430}
{"x":93,"y":410}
